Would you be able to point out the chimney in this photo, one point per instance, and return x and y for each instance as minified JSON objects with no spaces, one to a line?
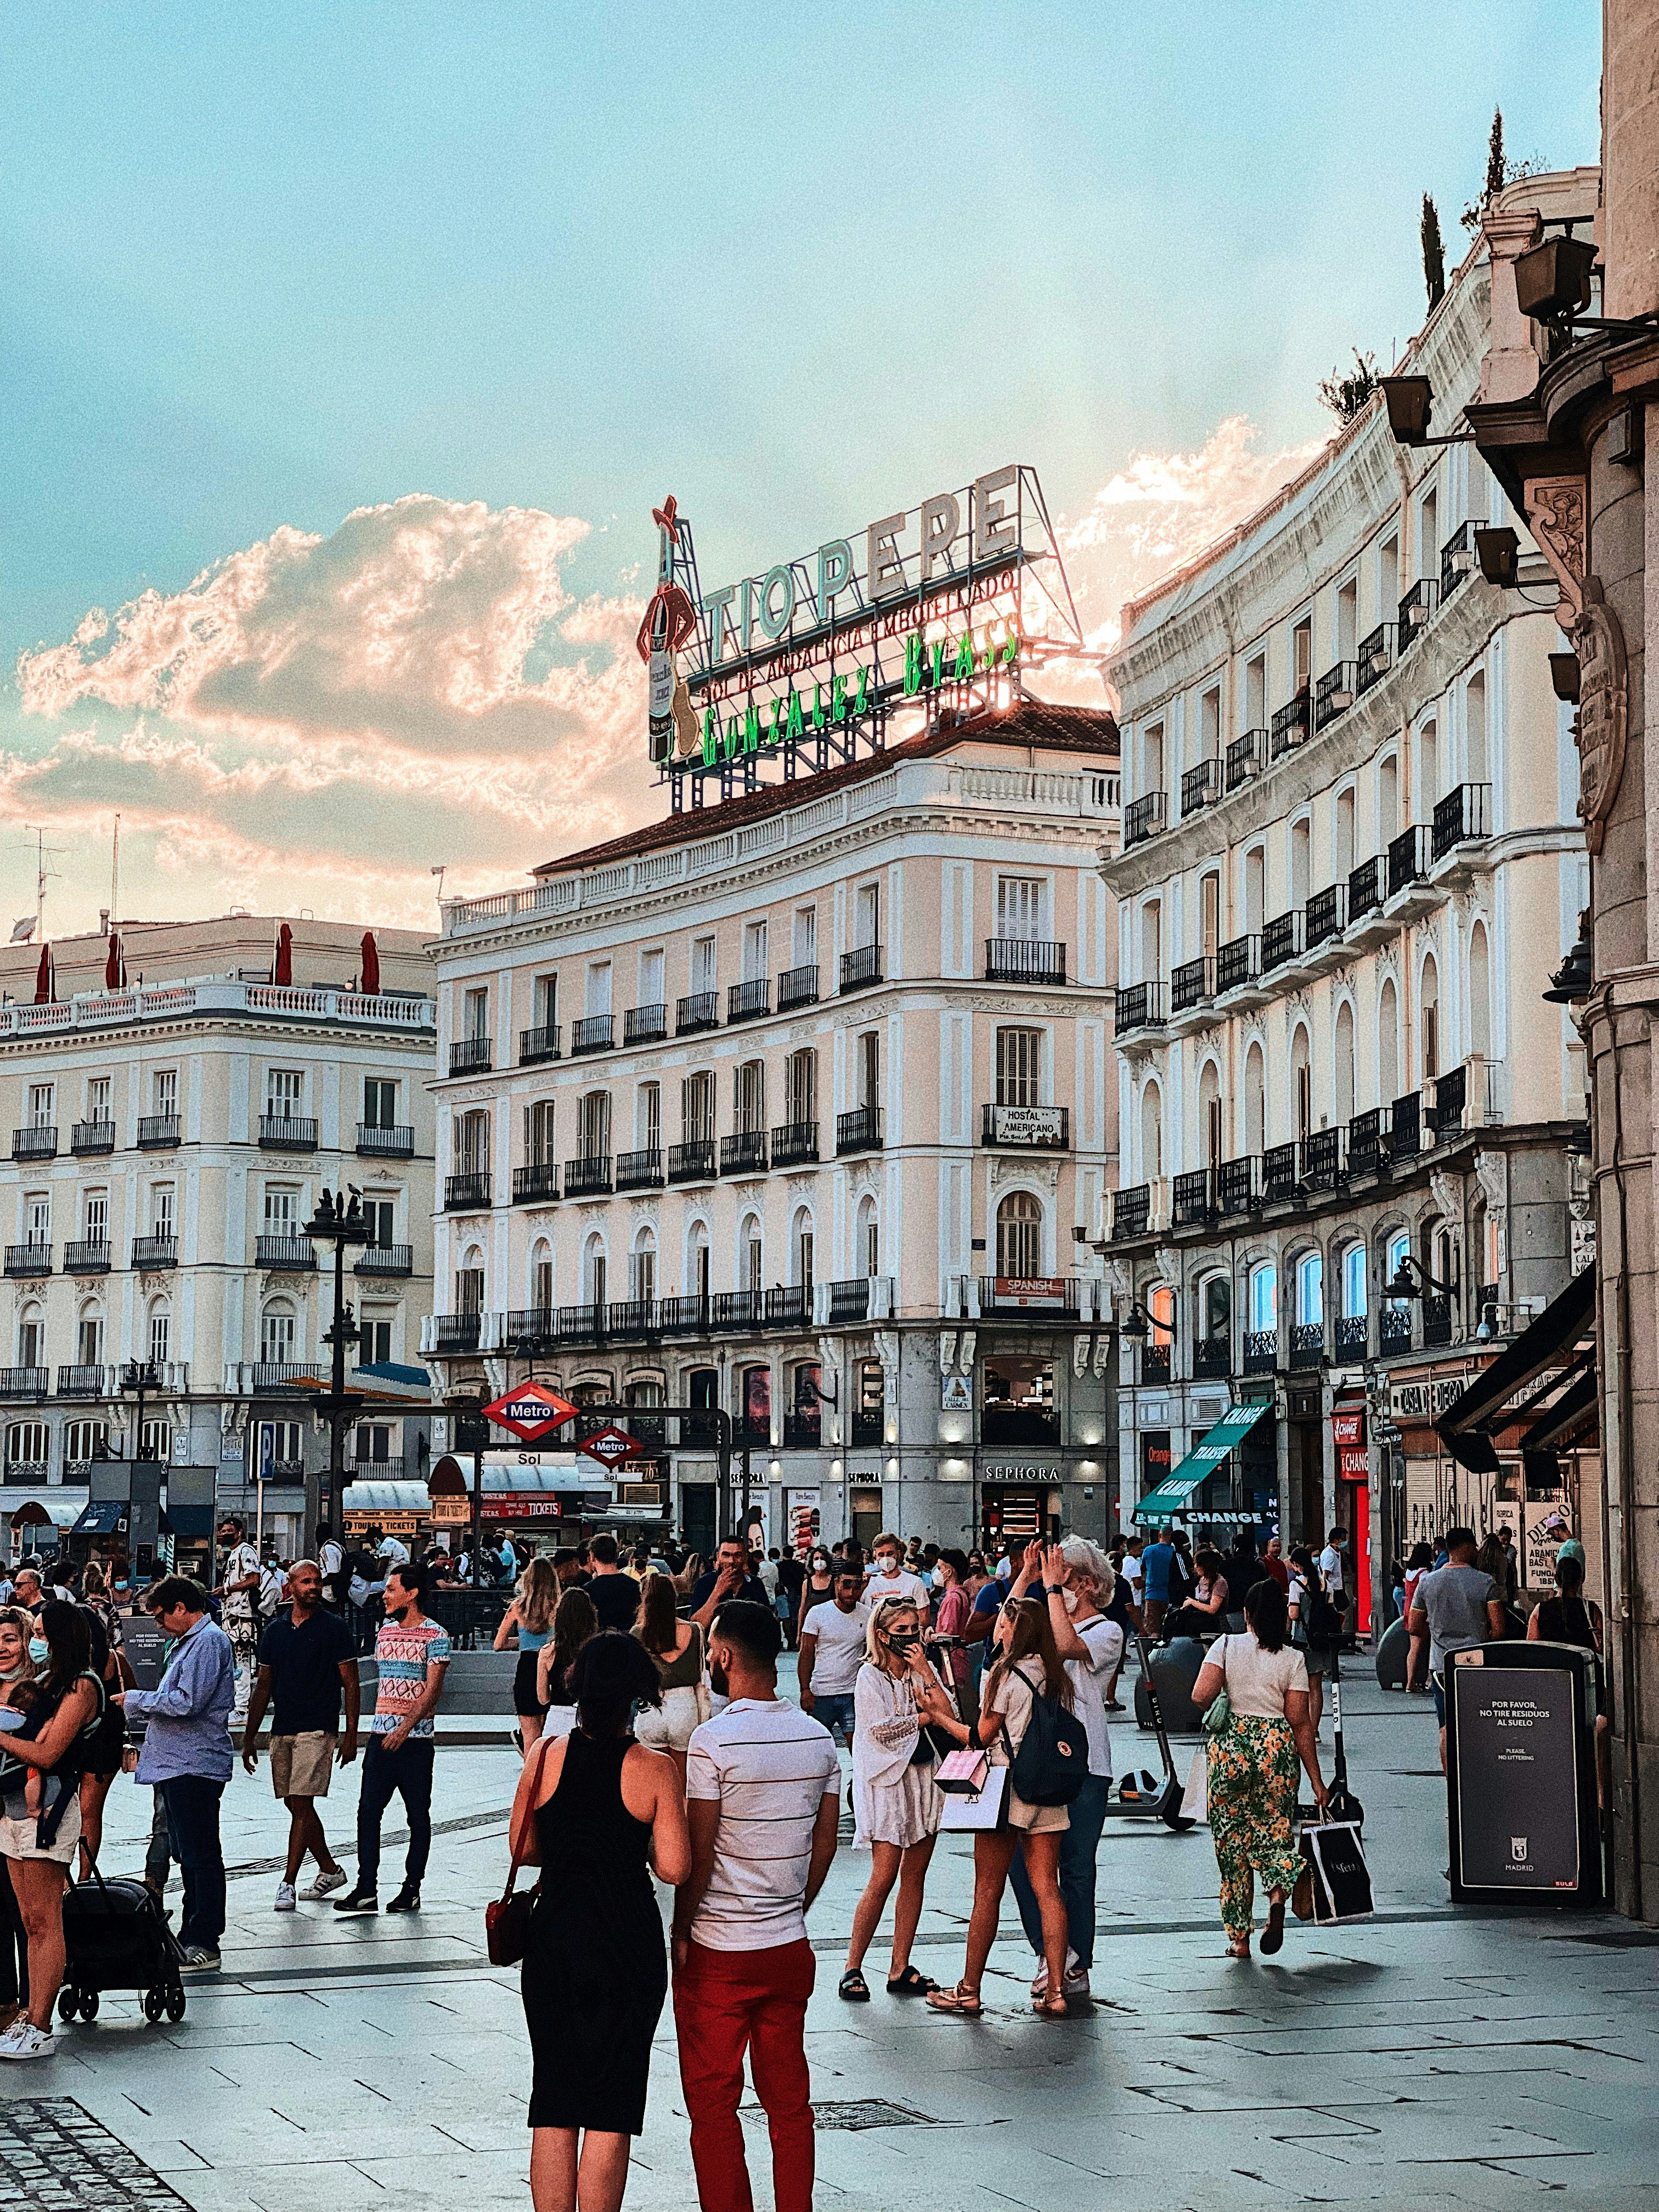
{"x":103,"y":922}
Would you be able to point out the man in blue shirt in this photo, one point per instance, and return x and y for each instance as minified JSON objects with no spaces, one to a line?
{"x":1156,"y":1562}
{"x":187,"y":1755}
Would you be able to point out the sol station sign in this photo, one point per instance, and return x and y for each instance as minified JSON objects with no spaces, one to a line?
{"x":532,"y":1411}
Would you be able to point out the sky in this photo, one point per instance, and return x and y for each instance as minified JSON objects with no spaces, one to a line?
{"x":345,"y":351}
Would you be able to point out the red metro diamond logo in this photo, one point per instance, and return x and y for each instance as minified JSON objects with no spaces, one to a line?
{"x":610,"y":1447}
{"x":532,"y":1411}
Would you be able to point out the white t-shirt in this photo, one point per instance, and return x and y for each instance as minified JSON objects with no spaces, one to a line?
{"x":394,"y":1553}
{"x":1104,"y":1639}
{"x":1258,"y":1681}
{"x":838,"y":1647}
{"x":768,"y":1766}
{"x":767,"y":1574}
{"x":1133,"y":1573}
{"x":241,"y":1561}
{"x":902,"y":1584}
{"x":1330,"y":1566}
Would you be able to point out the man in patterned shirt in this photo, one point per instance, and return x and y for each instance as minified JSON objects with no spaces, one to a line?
{"x":412,"y":1656}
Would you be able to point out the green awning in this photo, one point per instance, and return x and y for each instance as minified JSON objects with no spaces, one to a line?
{"x":1206,"y":1455}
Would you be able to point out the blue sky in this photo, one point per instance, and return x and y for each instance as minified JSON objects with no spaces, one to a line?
{"x":798,"y":264}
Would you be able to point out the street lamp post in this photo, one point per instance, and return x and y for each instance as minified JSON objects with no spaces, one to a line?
{"x":336,"y":1224}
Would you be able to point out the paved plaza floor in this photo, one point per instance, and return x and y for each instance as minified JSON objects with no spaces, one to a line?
{"x":1423,"y":2057}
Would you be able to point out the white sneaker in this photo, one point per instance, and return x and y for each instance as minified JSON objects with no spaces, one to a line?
{"x":286,"y":1899}
{"x":1076,"y":1984}
{"x":326,"y":1884}
{"x":23,"y":2040}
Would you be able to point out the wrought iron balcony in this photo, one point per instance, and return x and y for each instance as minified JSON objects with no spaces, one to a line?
{"x":470,"y":1056}
{"x":1192,"y":984}
{"x":1023,"y":960}
{"x":1364,"y":895}
{"x":1281,"y":939}
{"x":1238,"y":962}
{"x":1246,"y":757}
{"x":798,"y":986}
{"x":536,"y":1182}
{"x":155,"y":1252}
{"x":739,"y":1309}
{"x":700,"y":1011}
{"x":1451,"y":1096}
{"x":529,"y":1329}
{"x":645,"y":1024}
{"x":1326,"y":914}
{"x":87,"y":1382}
{"x":1394,"y":1330}
{"x":747,"y":1002}
{"x":1139,"y":1007}
{"x":1418,"y":604}
{"x":789,"y":1305}
{"x":538,"y":1045}
{"x":1408,"y":859}
{"x":869,"y":1425}
{"x":88,"y":1138}
{"x":384,"y":1259}
{"x":456,"y":1332}
{"x":1261,"y":1350}
{"x":579,"y":1324}
{"x":1322,"y":1159}
{"x":1144,"y":817}
{"x":630,"y":1319}
{"x":850,"y":1300}
{"x":639,"y":1170}
{"x":1155,"y":1365}
{"x":1351,"y":1337}
{"x":379,"y":1141}
{"x":1376,"y":656}
{"x":1437,"y":1320}
{"x":1461,"y":815}
{"x":30,"y":1259}
{"x":592,"y":1033}
{"x":38,"y":1142}
{"x":680,"y":1314}
{"x":290,"y":1254}
{"x":1212,"y":1359}
{"x":24,"y":1382}
{"x":794,"y":1143}
{"x":744,"y":1153}
{"x":157,"y":1133}
{"x":1238,"y":1186}
{"x":278,"y":1374}
{"x":860,"y":967}
{"x":1291,"y":726}
{"x":1278,"y":1173}
{"x":1131,"y":1211}
{"x":1456,"y":559}
{"x":860,"y":1130}
{"x":1405,"y":1126}
{"x":803,"y":1429}
{"x":34,"y":1470}
{"x":588,"y":1176}
{"x":1200,"y":787}
{"x":467,"y":1192}
{"x":1307,"y":1344}
{"x":288,"y":1132}
{"x":1193,"y":1199}
{"x":1335,"y":692}
{"x":693,"y":1162}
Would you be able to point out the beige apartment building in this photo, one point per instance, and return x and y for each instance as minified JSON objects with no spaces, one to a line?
{"x":164,"y":1145}
{"x":1351,"y":859}
{"x":801,"y":1106}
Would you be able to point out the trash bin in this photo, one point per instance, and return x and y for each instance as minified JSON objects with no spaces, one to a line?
{"x":1392,"y":1655}
{"x":1521,"y":1774}
{"x":1174,"y":1669}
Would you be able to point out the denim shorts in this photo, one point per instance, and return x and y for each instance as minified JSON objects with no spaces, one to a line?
{"x":835,"y":1711}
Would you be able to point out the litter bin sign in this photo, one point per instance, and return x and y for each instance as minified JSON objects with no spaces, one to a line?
{"x":1521,"y":1773}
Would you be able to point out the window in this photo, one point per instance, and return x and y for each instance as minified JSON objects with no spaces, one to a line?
{"x":27,"y":1444}
{"x":869,"y":1239}
{"x":1475,"y":728}
{"x":1388,"y":801}
{"x":98,"y":1095}
{"x":375,"y":1348}
{"x":800,"y":1086}
{"x":31,"y":1338}
{"x":805,"y":948}
{"x":1255,"y":693}
{"x":164,"y":1090}
{"x":703,"y":964}
{"x":651,"y":977}
{"x":1209,"y":725}
{"x":287,"y":1443}
{"x":594,"y":1125}
{"x":595,"y":1270}
{"x":469,"y":1285}
{"x":1209,"y":914}
{"x":1019,"y":908}
{"x":699,"y":1272}
{"x":1347,"y":619}
{"x":642,"y":1269}
{"x":381,"y":1216}
{"x":1256,"y":1100}
{"x":90,"y":1339}
{"x":475,"y":1015}
{"x":1351,"y":1267}
{"x":1301,"y":657}
{"x":1428,"y":771}
{"x":282,"y":1210}
{"x":1310,"y":1289}
{"x":1479,"y":992}
{"x":1302,"y":1083}
{"x":538,"y":1134}
{"x":1428,"y":536}
{"x":754,"y":952}
{"x":755,"y":1403}
{"x":1301,"y":843}
{"x":1152,"y":941}
{"x":1209,"y":1114}
{"x":804,"y":1417}
{"x":1151,"y":758}
{"x":1431,"y":1006}
{"x":541,"y":1278}
{"x":544,"y":1002}
{"x":1215,"y":1308}
{"x":869,"y":1064}
{"x":373,"y":1444}
{"x":1395,"y":1252}
{"x":1344,"y":1069}
{"x":697,"y":1108}
{"x":748,"y":1097}
{"x":1019,"y":1401}
{"x":1342,"y":837}
{"x":40,"y":1105}
{"x":37,"y":1217}
{"x":84,"y":1441}
{"x":867,"y":925}
{"x":805,"y":1250}
{"x":284,"y":1093}
{"x":1019,"y":1068}
{"x":647,"y":1117}
{"x":1388,"y":579}
{"x":277,"y":1334}
{"x":1262,"y":1298}
{"x":749,"y":1255}
{"x":1255,"y":890}
{"x":380,"y":1103}
{"x":1152,"y":1134}
{"x":1019,"y":1236}
{"x":472,"y":1143}
{"x":1388,"y":1045}
{"x":96,"y":1217}
{"x":598,"y":988}
{"x":161,"y":1335}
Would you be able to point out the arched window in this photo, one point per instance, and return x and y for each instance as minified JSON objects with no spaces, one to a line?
{"x":1480,"y":994}
{"x":277,"y":1345}
{"x":541,"y":1276}
{"x":1255,"y":1101}
{"x":866,"y":1252}
{"x":1310,"y":1289}
{"x":1214,"y":1300}
{"x":803,"y":1249}
{"x":1344,"y":1068}
{"x":696,"y":1263}
{"x":32,"y":1337}
{"x":1261,"y":1298}
{"x":751,"y":1270}
{"x":1301,"y":861}
{"x":1388,"y":1046}
{"x":1428,"y":771}
{"x":1429,"y":1023}
{"x":642,"y":1267}
{"x":1210,"y":1135}
{"x":1388,"y":799}
{"x":160,"y":1332}
{"x":469,"y":1281}
{"x":1475,"y":721}
{"x":1020,"y":1235}
{"x":1152,"y":1134}
{"x":1355,"y":1287}
{"x":595,"y":1270}
{"x":802,"y":1420}
{"x":1342,"y":837}
{"x":1302,"y":1083}
{"x":89,"y":1334}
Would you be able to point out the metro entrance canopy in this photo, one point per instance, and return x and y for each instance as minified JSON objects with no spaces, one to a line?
{"x":1172,"y":1494}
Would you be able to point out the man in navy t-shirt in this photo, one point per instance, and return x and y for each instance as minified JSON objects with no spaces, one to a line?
{"x":306,"y":1663}
{"x":1156,"y":1562}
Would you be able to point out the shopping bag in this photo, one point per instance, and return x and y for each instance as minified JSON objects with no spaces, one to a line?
{"x":1341,"y":1879}
{"x":985,"y":1809}
{"x":962,"y":1772}
{"x":1195,"y":1801}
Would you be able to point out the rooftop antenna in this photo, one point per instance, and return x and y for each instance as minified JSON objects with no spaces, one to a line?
{"x":115,"y":875}
{"x":439,"y":871}
{"x":43,"y":875}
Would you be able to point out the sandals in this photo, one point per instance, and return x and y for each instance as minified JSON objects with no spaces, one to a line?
{"x":854,"y":1987}
{"x":1239,"y":1948}
{"x":1051,"y":2008}
{"x":962,"y":2001}
{"x":910,"y":1983}
{"x":1273,"y":1935}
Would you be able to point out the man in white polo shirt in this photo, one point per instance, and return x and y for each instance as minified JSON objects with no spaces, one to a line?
{"x":763,"y":1788}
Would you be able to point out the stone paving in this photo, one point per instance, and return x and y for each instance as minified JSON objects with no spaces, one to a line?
{"x":1421,"y":2056}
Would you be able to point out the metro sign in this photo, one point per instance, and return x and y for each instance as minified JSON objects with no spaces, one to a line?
{"x":532,"y":1411}
{"x":610,"y":1447}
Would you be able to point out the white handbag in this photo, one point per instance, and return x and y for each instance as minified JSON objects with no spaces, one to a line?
{"x":986,"y":1810}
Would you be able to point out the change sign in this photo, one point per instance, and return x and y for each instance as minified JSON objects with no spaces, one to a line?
{"x":532,"y":1411}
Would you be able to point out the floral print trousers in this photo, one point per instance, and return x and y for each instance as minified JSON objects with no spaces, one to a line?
{"x":1252,"y":1782}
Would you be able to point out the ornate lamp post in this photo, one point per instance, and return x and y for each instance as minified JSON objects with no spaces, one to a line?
{"x":336,"y":1224}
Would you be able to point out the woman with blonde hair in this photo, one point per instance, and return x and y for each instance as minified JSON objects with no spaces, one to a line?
{"x":530,"y":1618}
{"x":676,"y":1649}
{"x":1021,"y":1638}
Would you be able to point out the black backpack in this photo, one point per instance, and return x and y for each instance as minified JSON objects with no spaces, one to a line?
{"x":1052,"y":1764}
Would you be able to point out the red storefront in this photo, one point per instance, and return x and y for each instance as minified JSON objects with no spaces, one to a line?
{"x":1353,"y":1495}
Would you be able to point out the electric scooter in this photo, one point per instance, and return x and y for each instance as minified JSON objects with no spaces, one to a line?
{"x":1143,"y":1796}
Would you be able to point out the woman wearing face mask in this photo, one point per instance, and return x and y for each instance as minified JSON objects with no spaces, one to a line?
{"x":15,"y":1666}
{"x":895,"y":1807}
{"x":818,"y":1588}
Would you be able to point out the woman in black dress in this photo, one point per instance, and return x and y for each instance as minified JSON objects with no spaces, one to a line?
{"x":606,"y":1811}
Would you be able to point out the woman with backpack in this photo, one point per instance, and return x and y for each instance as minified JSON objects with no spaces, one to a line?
{"x":1316,"y":1627}
{"x":1025,"y":1694}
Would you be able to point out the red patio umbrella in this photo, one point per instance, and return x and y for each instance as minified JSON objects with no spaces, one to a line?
{"x":371,"y":985}
{"x":282,"y":969}
{"x":45,"y":979}
{"x":115,"y":966}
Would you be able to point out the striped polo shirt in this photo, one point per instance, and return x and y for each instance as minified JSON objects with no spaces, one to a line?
{"x":768,"y":1766}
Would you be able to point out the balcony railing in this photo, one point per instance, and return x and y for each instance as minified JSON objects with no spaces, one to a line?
{"x":803,"y":1429}
{"x":680,"y":1314}
{"x":1326,"y":914}
{"x":1040,"y":1129}
{"x":278,"y":1374}
{"x":869,"y":1425}
{"x":701,"y":1010}
{"x":379,"y":1141}
{"x":860,"y":1130}
{"x":1132,"y":1210}
{"x":25,"y":1381}
{"x":794,"y":1143}
{"x":629,"y":1319}
{"x":1461,"y":815}
{"x":34,"y":1471}
{"x":1282,"y":939}
{"x":288,"y":1132}
{"x":1456,"y":559}
{"x":1322,"y":1159}
{"x":1451,"y":1096}
{"x":739,"y":1309}
{"x":587,"y":1175}
{"x":1291,"y":726}
{"x":1437,"y":1320}
{"x":384,"y":1259}
{"x":390,"y":1469}
{"x":789,"y":1305}
{"x":1351,"y":1333}
{"x":744,"y":1153}
{"x":538,"y":1045}
{"x":1212,"y":1359}
{"x":1193,"y":1199}
{"x":470,"y":1056}
{"x":1408,"y":858}
{"x":592,"y":1033}
{"x":748,"y":1002}
{"x":640,"y":1170}
{"x":798,"y":986}
{"x":860,"y":967}
{"x":1335,"y":692}
{"x":1406,"y":1127}
{"x":1237,"y":1186}
{"x":1192,"y":984}
{"x":87,"y":1255}
{"x":1415,"y":608}
{"x":1394,"y":1330}
{"x":1024,"y":960}
{"x":1155,"y":1365}
{"x":1364,"y":896}
{"x":1238,"y":962}
{"x":1307,"y":1344}
{"x":693,"y":1162}
{"x":1376,"y":656}
{"x":850,"y":1300}
{"x":90,"y":1137}
{"x":579,"y":1324}
{"x":30,"y":1259}
{"x":1200,"y":787}
{"x":467,"y":1192}
{"x":1140,"y":1007}
{"x":536,"y":1182}
{"x":87,"y":1382}
{"x":291,"y":1255}
{"x":1278,"y":1173}
{"x":645,"y":1024}
{"x":1143,"y":819}
{"x":1261,"y":1350}
{"x":456,"y":1332}
{"x":38,"y":1142}
{"x":1246,"y":757}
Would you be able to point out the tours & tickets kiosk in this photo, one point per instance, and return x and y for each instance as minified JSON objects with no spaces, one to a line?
{"x":1521,"y":1773}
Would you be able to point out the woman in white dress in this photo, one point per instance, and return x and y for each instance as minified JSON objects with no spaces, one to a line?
{"x":896,"y":1809}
